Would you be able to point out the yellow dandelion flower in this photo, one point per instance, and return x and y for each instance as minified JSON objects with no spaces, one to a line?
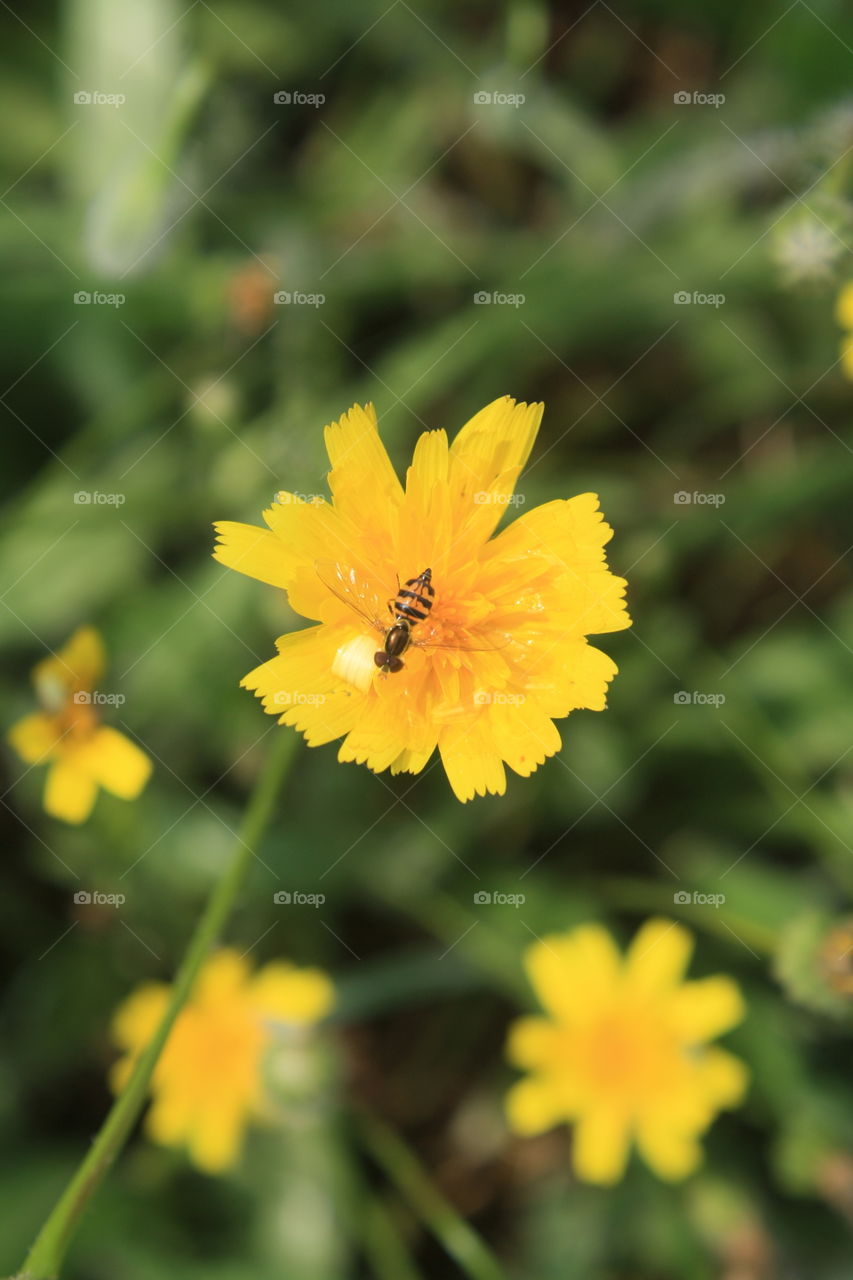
{"x":207,"y":1084}
{"x":624,"y":1051}
{"x":431,"y":631}
{"x":67,"y":734}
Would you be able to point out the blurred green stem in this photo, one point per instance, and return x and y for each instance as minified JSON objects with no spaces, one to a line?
{"x":461,"y":1242}
{"x":45,"y":1258}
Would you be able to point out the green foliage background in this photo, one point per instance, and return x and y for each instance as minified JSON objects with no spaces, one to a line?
{"x":399,"y":198}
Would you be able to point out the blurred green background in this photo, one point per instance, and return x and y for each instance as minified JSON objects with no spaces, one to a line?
{"x":387,"y":186}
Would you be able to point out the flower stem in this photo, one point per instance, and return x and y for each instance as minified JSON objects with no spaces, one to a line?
{"x":459,"y":1239}
{"x":45,"y":1257}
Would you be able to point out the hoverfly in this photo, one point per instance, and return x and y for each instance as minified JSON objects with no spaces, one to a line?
{"x":409,"y":608}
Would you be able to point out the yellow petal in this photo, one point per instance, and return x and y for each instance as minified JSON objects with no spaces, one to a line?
{"x":217,"y":1136}
{"x":574,"y":974}
{"x":489,"y":452}
{"x":292,"y":995}
{"x":670,"y":1152}
{"x":531,"y":1041}
{"x":533,"y":1106}
{"x":472,"y":764}
{"x":222,"y":977}
{"x":138,"y":1017}
{"x":360,"y":462}
{"x":658,"y":956}
{"x":600,"y":1146}
{"x":256,"y":552}
{"x":723,"y":1077}
{"x":69,"y":792}
{"x":302,"y":688}
{"x":707,"y":1008}
{"x":79,"y":664}
{"x":34,"y":737}
{"x":844,"y":307}
{"x":114,"y":762}
{"x":523,"y":735}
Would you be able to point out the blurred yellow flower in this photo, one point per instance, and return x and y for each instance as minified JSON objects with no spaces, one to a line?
{"x":495,"y":644}
{"x":67,"y":734}
{"x":208,"y":1082}
{"x":844,"y":316}
{"x":624,"y":1052}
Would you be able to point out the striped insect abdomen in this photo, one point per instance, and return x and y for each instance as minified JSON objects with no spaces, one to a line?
{"x":414,"y":600}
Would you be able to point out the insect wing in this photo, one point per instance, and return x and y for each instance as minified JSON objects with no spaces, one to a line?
{"x":352,"y":590}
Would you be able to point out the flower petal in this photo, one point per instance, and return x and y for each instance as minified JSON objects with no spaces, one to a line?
{"x":289,"y":994}
{"x":300,"y":687}
{"x":256,"y":552}
{"x":70,"y":792}
{"x":360,"y":463}
{"x":724,"y":1078}
{"x":600,"y":1146}
{"x":533,"y":1106}
{"x":657,"y":957}
{"x":114,"y":762}
{"x":472,"y":764}
{"x":217,"y":1135}
{"x":487,"y":458}
{"x":79,"y":664}
{"x":574,"y":974}
{"x":707,"y":1008}
{"x":34,"y":737}
{"x":669,"y":1151}
{"x":531,"y":1041}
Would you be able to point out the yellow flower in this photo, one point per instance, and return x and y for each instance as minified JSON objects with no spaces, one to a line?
{"x":503,"y":651}
{"x":82,"y":753}
{"x":624,"y":1052}
{"x":208,"y":1083}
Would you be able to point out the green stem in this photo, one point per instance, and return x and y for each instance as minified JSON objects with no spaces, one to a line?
{"x":45,"y":1258}
{"x":461,"y":1242}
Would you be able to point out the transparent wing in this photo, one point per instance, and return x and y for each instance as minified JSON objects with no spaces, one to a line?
{"x":352,"y":589}
{"x":459,"y":648}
